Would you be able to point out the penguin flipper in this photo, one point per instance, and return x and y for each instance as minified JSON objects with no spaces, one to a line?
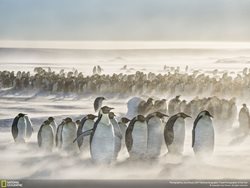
{"x":193,"y":137}
{"x":169,"y":136}
{"x":14,"y":128}
{"x":79,"y":132}
{"x":169,"y":130}
{"x":129,"y":141}
{"x":39,"y":137}
{"x":85,"y":133}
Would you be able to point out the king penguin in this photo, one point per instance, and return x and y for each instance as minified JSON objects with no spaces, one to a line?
{"x":45,"y":136}
{"x":136,"y":137}
{"x":117,"y":133}
{"x":21,"y":128}
{"x":69,"y":132}
{"x":203,"y":134}
{"x":102,"y":138}
{"x":98,"y":103}
{"x":86,"y":124}
{"x":174,"y":133}
{"x":155,"y":134}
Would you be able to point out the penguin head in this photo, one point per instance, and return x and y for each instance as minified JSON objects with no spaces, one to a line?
{"x":244,"y":105}
{"x":205,"y":113}
{"x":161,"y":115}
{"x":68,"y":120}
{"x":101,"y":98}
{"x":111,"y":115}
{"x":51,"y":119}
{"x":91,"y":116}
{"x":78,"y":122}
{"x":150,"y":100}
{"x":140,"y":118}
{"x":47,"y":122}
{"x":21,"y":115}
{"x":125,"y":120}
{"x":183,"y":115}
{"x":177,"y":97}
{"x":105,"y":110}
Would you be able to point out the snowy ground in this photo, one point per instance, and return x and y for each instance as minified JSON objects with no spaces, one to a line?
{"x":26,"y":161}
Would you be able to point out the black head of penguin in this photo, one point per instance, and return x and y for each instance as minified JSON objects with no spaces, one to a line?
{"x":78,"y":122}
{"x":106,"y":109}
{"x":125,"y":120}
{"x":51,"y":119}
{"x":150,"y":100}
{"x":183,"y":115}
{"x":161,"y":115}
{"x":47,"y":122}
{"x":205,"y":113}
{"x":67,"y":120}
{"x":140,"y":118}
{"x":21,"y":115}
{"x":91,"y":116}
{"x":111,"y":115}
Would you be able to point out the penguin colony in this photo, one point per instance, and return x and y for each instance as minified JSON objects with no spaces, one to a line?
{"x":172,"y":81}
{"x":104,"y":136}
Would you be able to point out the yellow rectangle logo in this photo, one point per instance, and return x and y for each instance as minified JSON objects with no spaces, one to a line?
{"x":3,"y":183}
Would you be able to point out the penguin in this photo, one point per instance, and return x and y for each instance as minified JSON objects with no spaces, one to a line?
{"x":244,"y":119}
{"x":21,"y":128}
{"x":102,"y":138}
{"x":132,"y":106}
{"x":155,"y":130}
{"x":174,"y":133}
{"x":173,"y":105}
{"x":69,"y":132}
{"x":98,"y":103}
{"x":86,"y":123}
{"x":59,"y":135}
{"x":45,"y":136}
{"x":117,"y":133}
{"x":136,"y":137}
{"x":203,"y":135}
{"x":53,"y":124}
{"x":145,"y":106}
{"x":123,"y":127}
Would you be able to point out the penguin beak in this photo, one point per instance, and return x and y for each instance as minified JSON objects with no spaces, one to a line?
{"x":165,"y":115}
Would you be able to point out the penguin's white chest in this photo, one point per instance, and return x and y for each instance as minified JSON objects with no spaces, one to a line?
{"x":54,"y":126}
{"x":155,"y":137}
{"x":204,"y":136}
{"x":139,"y":136}
{"x":103,"y":143}
{"x":87,"y":126}
{"x":47,"y":135}
{"x":22,"y":127}
{"x":69,"y":133}
{"x":177,"y":146}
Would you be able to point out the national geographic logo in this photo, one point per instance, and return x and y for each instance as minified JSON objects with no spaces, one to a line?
{"x":10,"y":183}
{"x":3,"y":183}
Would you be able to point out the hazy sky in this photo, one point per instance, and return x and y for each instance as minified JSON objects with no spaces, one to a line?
{"x":177,"y":20}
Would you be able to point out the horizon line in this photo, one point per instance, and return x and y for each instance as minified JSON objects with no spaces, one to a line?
{"x":123,"y":45}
